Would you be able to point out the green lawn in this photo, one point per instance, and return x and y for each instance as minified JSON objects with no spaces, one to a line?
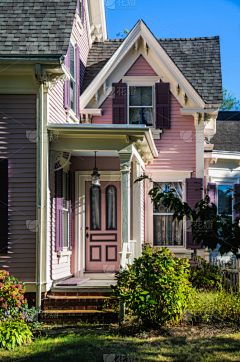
{"x":99,"y":345}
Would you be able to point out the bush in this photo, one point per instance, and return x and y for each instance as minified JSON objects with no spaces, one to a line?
{"x":155,"y":288}
{"x":205,"y":276}
{"x":14,"y":333}
{"x":215,"y":306}
{"x":11,"y":294}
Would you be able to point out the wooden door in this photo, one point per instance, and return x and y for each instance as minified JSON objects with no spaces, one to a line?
{"x":103,"y":226}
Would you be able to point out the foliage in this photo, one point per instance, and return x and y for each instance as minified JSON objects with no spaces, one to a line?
{"x":205,"y":276}
{"x":11,"y":295}
{"x":14,"y":333}
{"x":230,"y":102}
{"x":223,"y":233}
{"x":215,"y":306}
{"x":122,"y":34}
{"x":155,"y":288}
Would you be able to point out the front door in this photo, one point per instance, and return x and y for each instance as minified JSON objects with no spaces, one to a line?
{"x":103,"y":226}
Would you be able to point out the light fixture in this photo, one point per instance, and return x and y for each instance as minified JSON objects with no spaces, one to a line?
{"x":95,"y":175}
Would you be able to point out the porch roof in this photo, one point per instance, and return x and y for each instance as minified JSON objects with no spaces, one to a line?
{"x":101,"y":137}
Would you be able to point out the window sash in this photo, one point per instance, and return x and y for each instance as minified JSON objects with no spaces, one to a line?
{"x":65,"y":212}
{"x":141,"y":106}
{"x":226,"y":196}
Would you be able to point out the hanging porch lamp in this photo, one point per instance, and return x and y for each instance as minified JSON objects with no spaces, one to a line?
{"x":95,"y":175}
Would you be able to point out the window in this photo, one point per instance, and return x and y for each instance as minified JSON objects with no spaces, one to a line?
{"x":95,"y":197}
{"x":65,"y":209}
{"x":141,"y":105}
{"x":165,"y":231}
{"x":72,"y":79}
{"x":111,"y":204}
{"x":225,"y":199}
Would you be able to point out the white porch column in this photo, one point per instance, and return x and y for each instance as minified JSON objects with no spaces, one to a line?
{"x":125,"y":156}
{"x":199,"y":127}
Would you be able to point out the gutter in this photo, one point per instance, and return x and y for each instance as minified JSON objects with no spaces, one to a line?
{"x":55,"y":59}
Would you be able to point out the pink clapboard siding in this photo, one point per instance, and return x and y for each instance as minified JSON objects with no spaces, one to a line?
{"x":177,"y":145}
{"x":18,"y":144}
{"x":58,"y":269}
{"x":57,"y":112}
{"x":106,"y":117}
{"x":141,"y":68}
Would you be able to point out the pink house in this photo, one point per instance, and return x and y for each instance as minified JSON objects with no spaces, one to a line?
{"x":83,"y":116}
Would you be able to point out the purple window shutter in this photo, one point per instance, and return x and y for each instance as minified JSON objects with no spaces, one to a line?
{"x":162,"y":93}
{"x":212,"y":193}
{"x":119,"y":103}
{"x":77,"y":8}
{"x":66,"y":91}
{"x":83,"y":12}
{"x":194,"y":194}
{"x":77,"y":81}
{"x":3,"y":206}
{"x":70,"y":212}
{"x":237,"y":199}
{"x":59,"y":210}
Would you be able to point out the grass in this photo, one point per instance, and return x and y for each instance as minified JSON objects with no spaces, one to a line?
{"x":98,"y":345}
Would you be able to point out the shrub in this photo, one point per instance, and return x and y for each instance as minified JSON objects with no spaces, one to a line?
{"x":215,"y":306}
{"x":14,"y":333}
{"x":205,"y":276}
{"x":11,"y":294}
{"x":155,"y":288}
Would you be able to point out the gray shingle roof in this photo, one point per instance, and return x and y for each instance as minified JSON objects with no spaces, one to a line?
{"x":228,"y":131}
{"x":36,"y":27}
{"x":197,"y":58}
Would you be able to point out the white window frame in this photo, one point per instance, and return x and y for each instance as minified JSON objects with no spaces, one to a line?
{"x":164,"y":176}
{"x":170,"y":214}
{"x":142,"y":83}
{"x":152,"y":106}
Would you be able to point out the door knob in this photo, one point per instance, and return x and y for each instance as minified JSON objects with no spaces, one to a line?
{"x":87,"y":235}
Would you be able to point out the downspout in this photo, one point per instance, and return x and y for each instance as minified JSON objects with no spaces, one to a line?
{"x":40,"y":200}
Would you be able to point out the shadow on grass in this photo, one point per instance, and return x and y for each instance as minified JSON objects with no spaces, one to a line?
{"x":94,"y":348}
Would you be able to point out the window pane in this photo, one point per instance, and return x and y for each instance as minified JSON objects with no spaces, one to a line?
{"x":111,"y":207}
{"x":65,"y":190}
{"x":72,"y":62}
{"x":166,"y":231}
{"x":72,"y":95}
{"x":224,"y":200}
{"x":141,"y":116}
{"x":65,"y":228}
{"x":166,"y":186}
{"x":95,"y":204}
{"x":140,"y":96}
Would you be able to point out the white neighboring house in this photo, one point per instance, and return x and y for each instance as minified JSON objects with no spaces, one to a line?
{"x":222,"y":164}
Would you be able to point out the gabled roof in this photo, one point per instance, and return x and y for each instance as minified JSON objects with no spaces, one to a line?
{"x":227,"y":132}
{"x":36,"y":26}
{"x":197,"y":58}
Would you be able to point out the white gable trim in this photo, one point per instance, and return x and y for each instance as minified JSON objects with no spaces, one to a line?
{"x":141,"y":30}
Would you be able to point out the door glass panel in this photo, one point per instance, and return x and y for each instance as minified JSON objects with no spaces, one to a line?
{"x":111,"y":207}
{"x":95,"y":207}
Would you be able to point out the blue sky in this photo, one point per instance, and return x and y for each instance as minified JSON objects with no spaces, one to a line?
{"x":185,"y":19}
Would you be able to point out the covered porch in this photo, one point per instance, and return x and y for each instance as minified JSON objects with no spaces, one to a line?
{"x":107,"y":221}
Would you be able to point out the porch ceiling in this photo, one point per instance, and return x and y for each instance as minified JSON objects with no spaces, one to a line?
{"x":91,"y":137}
